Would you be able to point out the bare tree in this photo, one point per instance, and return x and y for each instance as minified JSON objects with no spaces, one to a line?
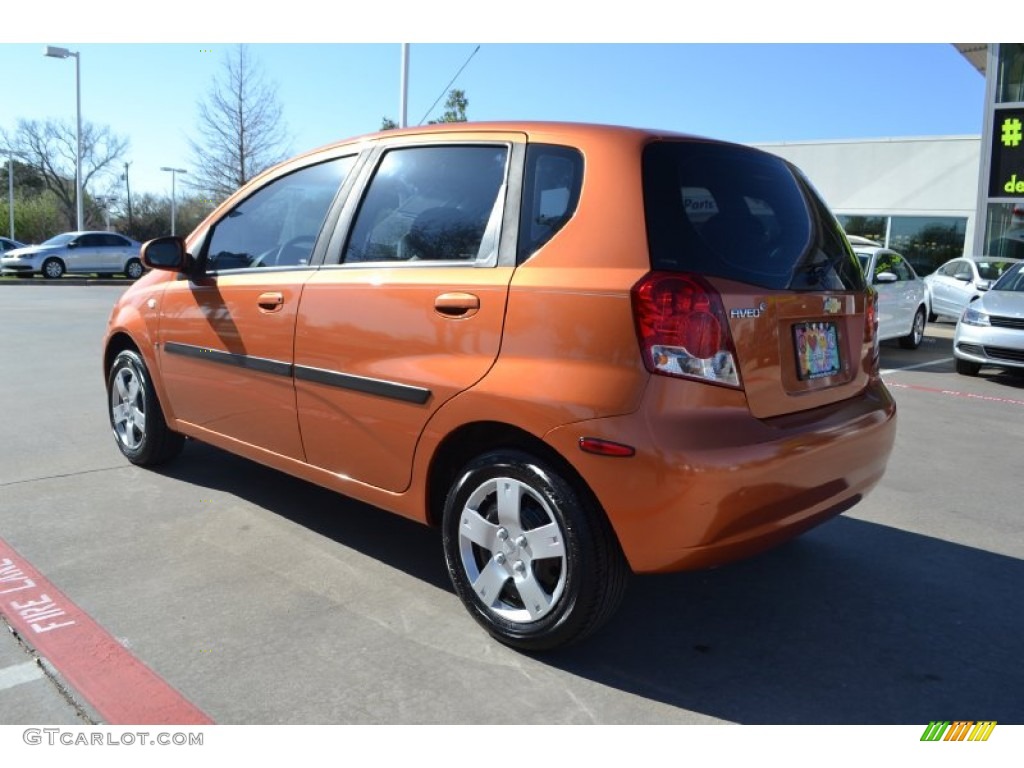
{"x":240,"y":129}
{"x":49,"y":149}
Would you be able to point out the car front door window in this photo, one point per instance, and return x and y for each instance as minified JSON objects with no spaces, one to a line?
{"x":277,"y":226}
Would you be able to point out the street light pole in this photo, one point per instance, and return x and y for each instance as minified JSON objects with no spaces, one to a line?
{"x":403,"y":98}
{"x":174,"y":176}
{"x":63,"y":53}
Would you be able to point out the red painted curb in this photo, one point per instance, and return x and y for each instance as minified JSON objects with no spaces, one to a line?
{"x":122,"y":689}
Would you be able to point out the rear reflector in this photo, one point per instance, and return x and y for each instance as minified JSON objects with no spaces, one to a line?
{"x":605,"y":447}
{"x":682,"y":328}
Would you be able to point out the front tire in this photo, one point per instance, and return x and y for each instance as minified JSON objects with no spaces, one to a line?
{"x":133,"y":269}
{"x":140,"y":430}
{"x":532,"y":558}
{"x":53,"y":269}
{"x":913,"y":339}
{"x":967,"y":368}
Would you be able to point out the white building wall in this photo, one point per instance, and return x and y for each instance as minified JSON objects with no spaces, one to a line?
{"x":926,"y":176}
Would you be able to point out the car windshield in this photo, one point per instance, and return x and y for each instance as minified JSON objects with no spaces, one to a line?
{"x":1012,"y":279}
{"x":993,"y":270}
{"x":59,"y":239}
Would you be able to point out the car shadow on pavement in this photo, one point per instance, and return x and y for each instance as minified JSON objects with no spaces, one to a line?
{"x":402,"y":544}
{"x":853,"y":623}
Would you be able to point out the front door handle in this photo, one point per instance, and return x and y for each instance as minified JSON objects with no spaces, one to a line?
{"x":457,"y":304}
{"x":271,"y":301}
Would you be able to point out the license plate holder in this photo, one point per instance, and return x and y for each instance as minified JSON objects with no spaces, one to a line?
{"x":816,"y":346}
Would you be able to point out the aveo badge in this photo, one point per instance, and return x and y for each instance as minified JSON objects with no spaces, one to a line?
{"x":748,"y":312}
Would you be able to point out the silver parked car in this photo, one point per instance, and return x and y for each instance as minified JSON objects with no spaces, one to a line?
{"x":104,"y":253}
{"x":902,"y":300}
{"x":991,"y":329}
{"x":958,"y":282}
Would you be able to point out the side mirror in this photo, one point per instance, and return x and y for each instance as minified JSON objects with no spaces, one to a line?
{"x":73,"y":244}
{"x":166,"y":253}
{"x":983,"y":285}
{"x":962,"y":278}
{"x":886,"y":277}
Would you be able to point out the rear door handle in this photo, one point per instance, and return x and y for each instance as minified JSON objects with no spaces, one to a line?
{"x":457,"y":304}
{"x":271,"y":301}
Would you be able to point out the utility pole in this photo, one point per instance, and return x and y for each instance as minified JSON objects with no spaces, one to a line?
{"x":128,"y":187}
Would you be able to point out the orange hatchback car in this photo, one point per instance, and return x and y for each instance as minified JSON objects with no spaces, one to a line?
{"x":578,"y":350}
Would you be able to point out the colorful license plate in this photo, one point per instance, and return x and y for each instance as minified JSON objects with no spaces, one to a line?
{"x":817,"y":350}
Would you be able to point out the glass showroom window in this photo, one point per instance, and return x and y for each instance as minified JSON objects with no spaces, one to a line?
{"x":927,"y":242}
{"x":1010,"y":83}
{"x":1004,"y":227}
{"x":871,"y":227}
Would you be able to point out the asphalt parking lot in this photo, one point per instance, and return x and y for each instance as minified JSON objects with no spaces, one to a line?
{"x":262,"y":599}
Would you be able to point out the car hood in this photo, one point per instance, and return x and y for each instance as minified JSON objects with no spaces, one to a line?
{"x":32,"y":250}
{"x":1004,"y":303}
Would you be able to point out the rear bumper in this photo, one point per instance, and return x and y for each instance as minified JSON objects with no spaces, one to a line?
{"x":711,"y":485}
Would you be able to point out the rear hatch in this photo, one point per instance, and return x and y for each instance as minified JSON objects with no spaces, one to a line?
{"x":747,"y":229}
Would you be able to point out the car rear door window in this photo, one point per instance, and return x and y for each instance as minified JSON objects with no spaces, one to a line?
{"x":431,"y":204}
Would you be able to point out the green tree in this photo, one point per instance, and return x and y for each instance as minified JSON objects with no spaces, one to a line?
{"x":454,"y":108}
{"x":387,"y":124}
{"x":151,"y":215}
{"x":36,"y":217}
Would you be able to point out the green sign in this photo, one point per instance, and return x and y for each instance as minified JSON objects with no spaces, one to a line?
{"x":1006,"y":174}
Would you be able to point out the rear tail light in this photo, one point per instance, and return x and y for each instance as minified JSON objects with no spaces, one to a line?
{"x":871,"y":322}
{"x":682,"y":328}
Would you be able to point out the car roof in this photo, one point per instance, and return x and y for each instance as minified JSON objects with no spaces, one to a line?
{"x":858,"y":240}
{"x":90,"y":232}
{"x":874,"y":250}
{"x":536,"y":130}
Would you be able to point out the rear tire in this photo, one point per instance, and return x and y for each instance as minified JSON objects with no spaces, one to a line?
{"x":967,"y":368}
{"x":532,"y":559}
{"x":140,"y":430}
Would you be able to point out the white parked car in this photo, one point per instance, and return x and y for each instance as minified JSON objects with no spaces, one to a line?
{"x":902,"y":298}
{"x":958,"y":282}
{"x":104,"y":253}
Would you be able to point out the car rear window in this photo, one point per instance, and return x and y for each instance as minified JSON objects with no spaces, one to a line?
{"x":738,"y":213}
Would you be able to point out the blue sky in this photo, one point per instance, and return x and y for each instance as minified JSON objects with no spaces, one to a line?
{"x":750,"y":92}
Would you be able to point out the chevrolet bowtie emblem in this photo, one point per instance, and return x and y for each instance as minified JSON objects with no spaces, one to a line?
{"x":832,"y":305}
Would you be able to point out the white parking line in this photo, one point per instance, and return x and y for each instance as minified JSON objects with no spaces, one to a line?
{"x":18,"y":674}
{"x":887,"y":371}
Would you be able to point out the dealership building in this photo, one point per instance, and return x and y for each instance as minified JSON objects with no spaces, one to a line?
{"x":939,"y":197}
